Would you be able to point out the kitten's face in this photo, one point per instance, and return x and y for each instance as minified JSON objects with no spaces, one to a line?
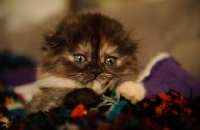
{"x":88,"y":50}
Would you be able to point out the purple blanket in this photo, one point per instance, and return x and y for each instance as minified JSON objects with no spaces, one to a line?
{"x":167,"y":74}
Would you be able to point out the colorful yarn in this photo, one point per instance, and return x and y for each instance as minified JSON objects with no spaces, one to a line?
{"x":116,"y":110}
{"x":168,"y":111}
{"x":79,"y":111}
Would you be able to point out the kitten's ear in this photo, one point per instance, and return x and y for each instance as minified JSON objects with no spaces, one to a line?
{"x":45,"y":49}
{"x":50,"y":42}
{"x":50,"y":35}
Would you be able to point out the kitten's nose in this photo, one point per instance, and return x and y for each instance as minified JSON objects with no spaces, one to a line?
{"x":95,"y":68}
{"x":96,"y":72}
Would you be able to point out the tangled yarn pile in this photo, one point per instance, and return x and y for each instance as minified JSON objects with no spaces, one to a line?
{"x":165,"y":111}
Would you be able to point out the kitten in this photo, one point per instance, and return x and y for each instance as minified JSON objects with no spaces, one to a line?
{"x":86,"y":50}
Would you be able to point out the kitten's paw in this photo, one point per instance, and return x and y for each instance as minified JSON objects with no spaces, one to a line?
{"x":85,"y":96}
{"x":133,"y":91}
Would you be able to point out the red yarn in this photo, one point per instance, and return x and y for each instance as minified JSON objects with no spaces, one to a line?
{"x":79,"y":111}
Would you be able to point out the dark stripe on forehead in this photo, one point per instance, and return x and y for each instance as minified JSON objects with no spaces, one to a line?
{"x":96,"y":36}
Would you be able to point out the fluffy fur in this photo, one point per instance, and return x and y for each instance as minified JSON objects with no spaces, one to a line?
{"x":86,"y":50}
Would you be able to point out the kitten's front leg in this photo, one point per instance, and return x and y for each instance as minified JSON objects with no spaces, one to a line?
{"x":133,"y":91}
{"x":46,"y":99}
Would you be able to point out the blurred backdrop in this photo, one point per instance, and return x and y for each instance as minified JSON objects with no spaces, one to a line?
{"x":160,"y":25}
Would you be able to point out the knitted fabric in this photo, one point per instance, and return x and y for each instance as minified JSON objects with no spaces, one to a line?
{"x":165,"y":111}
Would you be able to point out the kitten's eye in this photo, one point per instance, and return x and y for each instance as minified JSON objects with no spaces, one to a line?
{"x":110,"y":61}
{"x":79,"y":58}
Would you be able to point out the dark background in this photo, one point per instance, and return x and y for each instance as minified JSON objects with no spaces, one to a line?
{"x":166,"y":25}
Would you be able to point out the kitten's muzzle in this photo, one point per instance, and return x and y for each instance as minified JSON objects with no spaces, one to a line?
{"x":96,"y":71}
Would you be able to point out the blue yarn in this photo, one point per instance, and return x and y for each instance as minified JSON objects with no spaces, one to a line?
{"x":116,"y":110}
{"x":82,"y":121}
{"x":99,"y":119}
{"x":17,"y":112}
{"x":132,"y":124}
{"x":63,"y":113}
{"x":40,"y":120}
{"x":138,"y":108}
